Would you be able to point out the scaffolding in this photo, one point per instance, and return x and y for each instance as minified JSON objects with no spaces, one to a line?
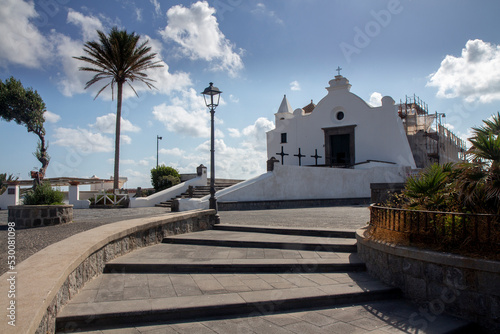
{"x":429,"y":140}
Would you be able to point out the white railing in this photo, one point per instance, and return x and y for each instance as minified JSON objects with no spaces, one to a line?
{"x":109,"y":199}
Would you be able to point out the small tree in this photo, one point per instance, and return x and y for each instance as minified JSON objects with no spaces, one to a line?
{"x":26,"y":107}
{"x":163,"y":177}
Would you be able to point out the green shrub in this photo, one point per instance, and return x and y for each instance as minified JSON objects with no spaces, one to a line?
{"x":43,"y":195}
{"x":163,"y":177}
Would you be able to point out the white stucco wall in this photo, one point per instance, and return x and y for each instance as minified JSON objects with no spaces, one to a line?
{"x":165,"y":195}
{"x":7,"y":199}
{"x":379,"y":133}
{"x":294,"y":182}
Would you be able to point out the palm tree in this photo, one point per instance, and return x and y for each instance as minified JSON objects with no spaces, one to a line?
{"x":117,"y":57}
{"x":479,"y":180}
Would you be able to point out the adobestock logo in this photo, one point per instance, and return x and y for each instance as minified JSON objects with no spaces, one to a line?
{"x":363,"y":37}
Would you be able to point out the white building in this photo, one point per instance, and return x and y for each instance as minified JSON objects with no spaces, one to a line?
{"x":342,"y":130}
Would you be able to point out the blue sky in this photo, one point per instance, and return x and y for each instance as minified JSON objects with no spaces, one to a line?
{"x":446,"y":52}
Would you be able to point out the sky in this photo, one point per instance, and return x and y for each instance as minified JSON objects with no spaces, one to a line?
{"x":446,"y":52}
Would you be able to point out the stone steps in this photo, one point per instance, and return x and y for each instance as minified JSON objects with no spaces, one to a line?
{"x":203,"y":276}
{"x":309,"y":232}
{"x":127,"y":312}
{"x":264,"y":240}
{"x":200,"y":191}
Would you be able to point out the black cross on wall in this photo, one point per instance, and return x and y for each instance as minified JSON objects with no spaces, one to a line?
{"x":300,"y":156}
{"x":316,"y":156}
{"x":282,"y":154}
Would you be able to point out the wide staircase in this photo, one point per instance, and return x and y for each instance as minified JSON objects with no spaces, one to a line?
{"x":201,"y":191}
{"x":245,"y":279}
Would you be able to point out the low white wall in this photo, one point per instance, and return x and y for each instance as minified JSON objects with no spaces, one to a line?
{"x":295,"y":183}
{"x":165,"y":195}
{"x":7,"y":199}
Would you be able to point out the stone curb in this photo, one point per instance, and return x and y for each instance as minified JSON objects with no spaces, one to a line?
{"x":445,"y":259}
{"x":48,"y":279}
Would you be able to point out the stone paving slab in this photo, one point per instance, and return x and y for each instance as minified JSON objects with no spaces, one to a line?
{"x":375,"y":317}
{"x":117,"y":298}
{"x":263,"y":237}
{"x":178,"y":253}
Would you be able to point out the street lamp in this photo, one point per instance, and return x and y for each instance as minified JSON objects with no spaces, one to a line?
{"x":211,"y":95}
{"x":158,"y":138}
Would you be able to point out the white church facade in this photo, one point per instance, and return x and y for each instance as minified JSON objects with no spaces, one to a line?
{"x":363,"y":144}
{"x":342,"y":130}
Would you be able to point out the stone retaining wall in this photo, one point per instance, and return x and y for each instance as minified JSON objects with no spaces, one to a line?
{"x":441,"y":282}
{"x":26,"y":216}
{"x":47,"y":280}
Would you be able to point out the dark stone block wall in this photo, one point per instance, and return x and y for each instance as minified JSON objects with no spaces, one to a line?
{"x":27,"y":216}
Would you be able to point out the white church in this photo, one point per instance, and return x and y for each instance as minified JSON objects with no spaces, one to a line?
{"x":342,"y":130}
{"x":332,"y":152}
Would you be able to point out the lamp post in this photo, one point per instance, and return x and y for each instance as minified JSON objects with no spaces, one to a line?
{"x":211,"y":95}
{"x":158,"y":138}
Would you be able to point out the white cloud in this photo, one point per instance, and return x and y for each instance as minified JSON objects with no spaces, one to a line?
{"x":107,"y":124}
{"x":196,"y":31}
{"x":157,"y":6}
{"x":261,"y":10}
{"x":124,"y":161}
{"x":21,"y":42}
{"x":177,"y":119}
{"x":256,"y":134}
{"x":375,"y":99}
{"x":83,"y":140}
{"x":138,"y":14}
{"x":72,"y":80}
{"x":187,"y":114}
{"x":172,"y":151}
{"x":245,"y":158}
{"x":235,"y":133}
{"x":164,"y":81}
{"x":125,"y":139}
{"x":233,"y":98}
{"x":51,"y":117}
{"x":233,"y":162}
{"x":88,"y":24}
{"x":474,"y":76}
{"x":294,"y":85}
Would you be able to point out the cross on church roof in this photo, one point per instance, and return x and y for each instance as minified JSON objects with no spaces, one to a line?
{"x":300,"y":156}
{"x":338,"y":70}
{"x":282,"y":154}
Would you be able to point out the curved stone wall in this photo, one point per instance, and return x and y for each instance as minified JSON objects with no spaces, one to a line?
{"x":48,"y":279}
{"x":441,"y":282}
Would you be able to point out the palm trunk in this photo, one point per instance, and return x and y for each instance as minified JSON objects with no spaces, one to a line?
{"x":117,"y":136}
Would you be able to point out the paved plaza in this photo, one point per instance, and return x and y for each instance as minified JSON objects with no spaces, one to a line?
{"x":270,"y":271}
{"x":30,"y":241}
